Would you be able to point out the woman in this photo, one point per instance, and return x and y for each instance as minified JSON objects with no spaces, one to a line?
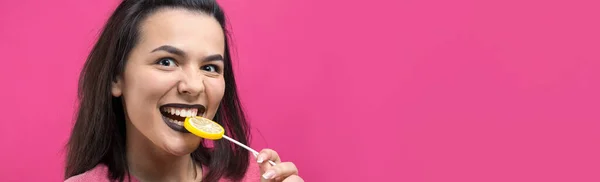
{"x":156,"y":62}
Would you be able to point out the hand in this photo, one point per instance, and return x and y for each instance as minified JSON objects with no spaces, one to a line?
{"x":283,"y":171}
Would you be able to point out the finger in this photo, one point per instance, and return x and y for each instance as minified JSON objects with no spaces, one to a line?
{"x":293,"y":178}
{"x":265,"y":166}
{"x":264,"y":155}
{"x":281,"y":170}
{"x":267,"y":154}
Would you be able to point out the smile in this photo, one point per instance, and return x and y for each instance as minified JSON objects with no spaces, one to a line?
{"x":174,"y":114}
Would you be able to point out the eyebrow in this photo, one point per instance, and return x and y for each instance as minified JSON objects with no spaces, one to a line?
{"x":170,"y":49}
{"x":214,"y":57}
{"x":179,"y":52}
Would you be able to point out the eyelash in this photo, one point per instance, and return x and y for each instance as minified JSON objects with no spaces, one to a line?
{"x":166,"y":58}
{"x":216,"y":68}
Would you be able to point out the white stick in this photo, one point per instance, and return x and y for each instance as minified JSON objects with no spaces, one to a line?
{"x":246,"y":147}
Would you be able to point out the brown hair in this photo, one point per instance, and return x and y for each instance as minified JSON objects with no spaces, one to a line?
{"x":98,"y":136}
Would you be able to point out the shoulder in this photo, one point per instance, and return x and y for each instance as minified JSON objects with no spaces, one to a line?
{"x":97,"y":174}
{"x":253,"y":172}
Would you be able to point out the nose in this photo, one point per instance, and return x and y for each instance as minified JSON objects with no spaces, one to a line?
{"x":191,"y":85}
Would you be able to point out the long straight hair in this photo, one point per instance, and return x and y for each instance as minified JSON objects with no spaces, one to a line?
{"x":98,"y":136}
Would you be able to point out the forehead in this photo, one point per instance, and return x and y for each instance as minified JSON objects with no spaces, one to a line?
{"x":194,"y":32}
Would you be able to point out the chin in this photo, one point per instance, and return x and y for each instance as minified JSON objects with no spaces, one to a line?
{"x":181,"y":146}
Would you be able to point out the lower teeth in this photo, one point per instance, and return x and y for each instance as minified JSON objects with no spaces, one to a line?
{"x":176,"y":122}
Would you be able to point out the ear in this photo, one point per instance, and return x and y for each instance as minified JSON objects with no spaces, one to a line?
{"x":117,"y":87}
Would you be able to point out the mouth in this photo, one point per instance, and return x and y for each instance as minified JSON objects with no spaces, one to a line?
{"x":174,"y":114}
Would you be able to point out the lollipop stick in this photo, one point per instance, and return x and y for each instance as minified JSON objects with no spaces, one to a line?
{"x":246,"y":147}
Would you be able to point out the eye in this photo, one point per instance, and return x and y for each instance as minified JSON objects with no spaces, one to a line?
{"x":166,"y":62}
{"x":210,"y":68}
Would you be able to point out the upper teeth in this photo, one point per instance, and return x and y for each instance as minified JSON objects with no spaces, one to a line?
{"x":181,"y":112}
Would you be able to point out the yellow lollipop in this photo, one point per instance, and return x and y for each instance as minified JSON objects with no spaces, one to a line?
{"x":206,"y":128}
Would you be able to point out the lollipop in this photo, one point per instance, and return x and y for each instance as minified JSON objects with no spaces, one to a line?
{"x":206,"y":128}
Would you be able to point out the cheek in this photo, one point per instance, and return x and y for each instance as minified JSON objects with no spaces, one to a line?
{"x":215,"y":89}
{"x":142,"y":91}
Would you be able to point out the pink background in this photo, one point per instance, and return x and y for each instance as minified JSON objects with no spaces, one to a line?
{"x":397,"y":90}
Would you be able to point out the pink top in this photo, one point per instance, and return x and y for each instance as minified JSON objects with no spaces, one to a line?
{"x":100,"y":174}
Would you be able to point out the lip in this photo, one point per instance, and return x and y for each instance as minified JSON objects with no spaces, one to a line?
{"x":176,"y":127}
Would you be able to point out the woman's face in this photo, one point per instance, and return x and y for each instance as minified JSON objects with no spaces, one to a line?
{"x":175,"y":70}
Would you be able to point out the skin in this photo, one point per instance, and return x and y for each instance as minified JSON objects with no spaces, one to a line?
{"x":192,"y":75}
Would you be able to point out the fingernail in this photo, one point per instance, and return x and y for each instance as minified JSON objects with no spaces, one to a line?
{"x":260,"y":159}
{"x":269,"y":174}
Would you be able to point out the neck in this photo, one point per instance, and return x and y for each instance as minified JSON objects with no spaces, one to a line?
{"x":150,"y":163}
